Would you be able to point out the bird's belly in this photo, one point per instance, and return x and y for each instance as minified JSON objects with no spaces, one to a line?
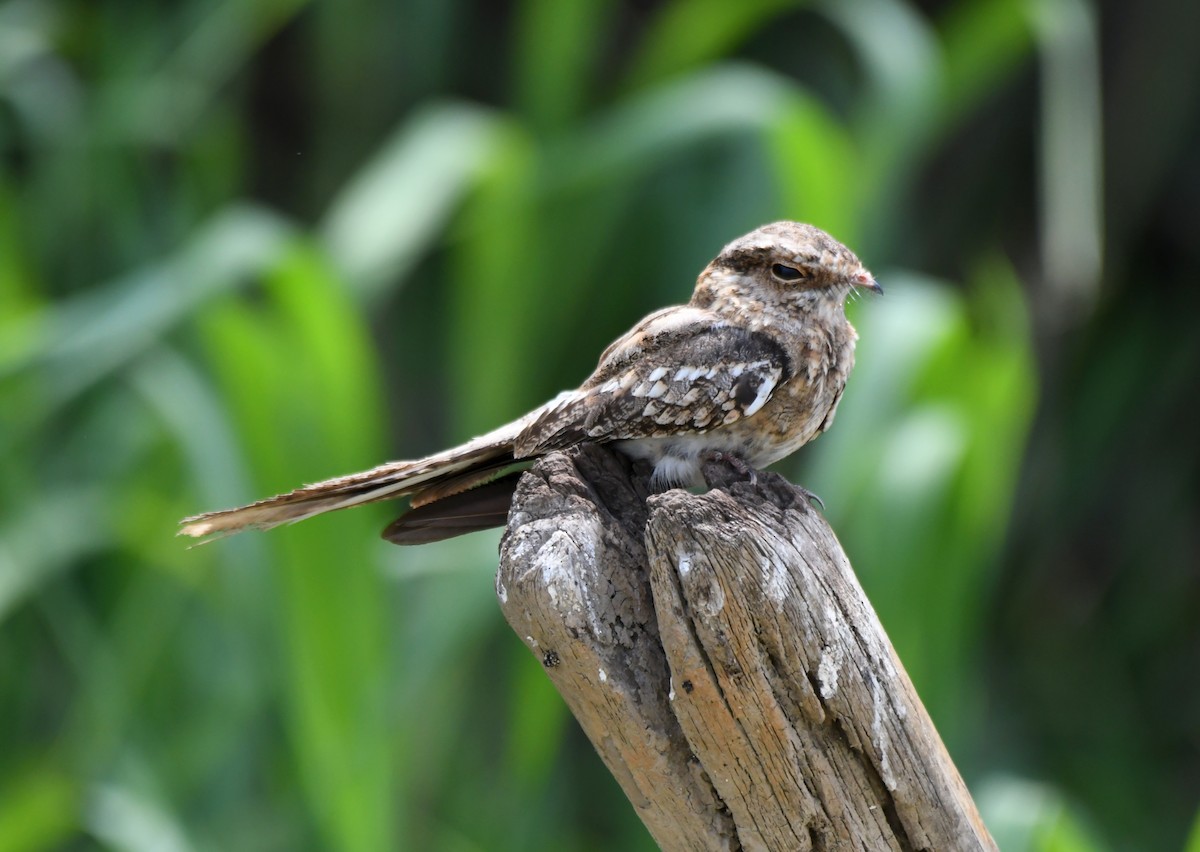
{"x":677,"y":458}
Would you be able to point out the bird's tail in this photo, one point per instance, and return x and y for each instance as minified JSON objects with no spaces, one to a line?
{"x":429,"y":479}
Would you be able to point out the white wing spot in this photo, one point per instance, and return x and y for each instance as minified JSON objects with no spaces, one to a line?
{"x":764,"y":392}
{"x":657,"y":374}
{"x":658,"y":390}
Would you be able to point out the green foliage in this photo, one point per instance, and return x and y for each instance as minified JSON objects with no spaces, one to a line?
{"x":247,"y":245}
{"x":1193,"y":840}
{"x":1029,"y":817}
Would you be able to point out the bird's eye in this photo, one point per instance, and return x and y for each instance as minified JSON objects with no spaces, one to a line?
{"x":786,"y":273}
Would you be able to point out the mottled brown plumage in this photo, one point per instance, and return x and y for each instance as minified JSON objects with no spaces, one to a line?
{"x":752,"y":367}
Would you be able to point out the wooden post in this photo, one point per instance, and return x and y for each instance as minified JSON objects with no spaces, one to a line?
{"x":720,"y":654}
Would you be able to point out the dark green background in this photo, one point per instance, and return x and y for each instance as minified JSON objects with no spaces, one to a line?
{"x":246,"y":245}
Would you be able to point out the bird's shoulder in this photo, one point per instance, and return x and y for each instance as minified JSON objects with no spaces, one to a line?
{"x":659,"y":329}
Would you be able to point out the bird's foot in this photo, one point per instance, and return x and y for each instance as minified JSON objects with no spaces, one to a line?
{"x":721,"y":469}
{"x":810,"y":497}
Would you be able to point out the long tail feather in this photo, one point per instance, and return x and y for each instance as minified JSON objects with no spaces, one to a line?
{"x":429,"y":479}
{"x":385,"y":482}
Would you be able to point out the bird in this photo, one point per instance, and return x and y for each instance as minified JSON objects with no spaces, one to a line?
{"x":749,"y":370}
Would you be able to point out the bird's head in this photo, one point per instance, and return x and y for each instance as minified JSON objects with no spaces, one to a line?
{"x":787,"y":262}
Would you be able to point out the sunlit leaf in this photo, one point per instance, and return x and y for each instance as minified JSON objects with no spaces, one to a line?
{"x":41,"y":810}
{"x":1026,"y":816}
{"x":126,"y":820}
{"x":1193,"y":840}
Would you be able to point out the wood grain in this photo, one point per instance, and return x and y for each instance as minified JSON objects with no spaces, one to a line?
{"x":720,"y":654}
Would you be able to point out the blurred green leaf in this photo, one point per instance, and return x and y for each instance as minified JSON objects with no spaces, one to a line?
{"x":77,"y":343}
{"x":387,"y":216}
{"x":128,"y":821}
{"x":538,"y":717}
{"x":690,"y":33}
{"x":495,"y":273}
{"x":162,"y":99}
{"x":982,"y":42}
{"x":1024,"y":816}
{"x":24,"y":38}
{"x":1192,"y":844}
{"x":332,"y":619}
{"x":556,"y":51}
{"x":36,"y":544}
{"x":815,"y":162}
{"x":658,"y":123}
{"x":1072,"y":217}
{"x":898,"y":52}
{"x":18,"y":295}
{"x":40,"y":810}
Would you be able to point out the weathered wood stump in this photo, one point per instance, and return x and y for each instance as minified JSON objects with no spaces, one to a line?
{"x":720,"y":654}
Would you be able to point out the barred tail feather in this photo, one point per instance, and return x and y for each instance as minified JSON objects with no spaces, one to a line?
{"x":444,"y":473}
{"x":383,"y":483}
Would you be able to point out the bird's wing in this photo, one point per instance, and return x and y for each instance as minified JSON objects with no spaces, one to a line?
{"x":673,"y":374}
{"x":716,"y":375}
{"x":440,"y":475}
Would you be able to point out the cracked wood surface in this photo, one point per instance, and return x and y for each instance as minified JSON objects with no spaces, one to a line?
{"x":720,"y":654}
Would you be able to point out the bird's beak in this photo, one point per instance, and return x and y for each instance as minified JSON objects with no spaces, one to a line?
{"x":866,"y":281}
